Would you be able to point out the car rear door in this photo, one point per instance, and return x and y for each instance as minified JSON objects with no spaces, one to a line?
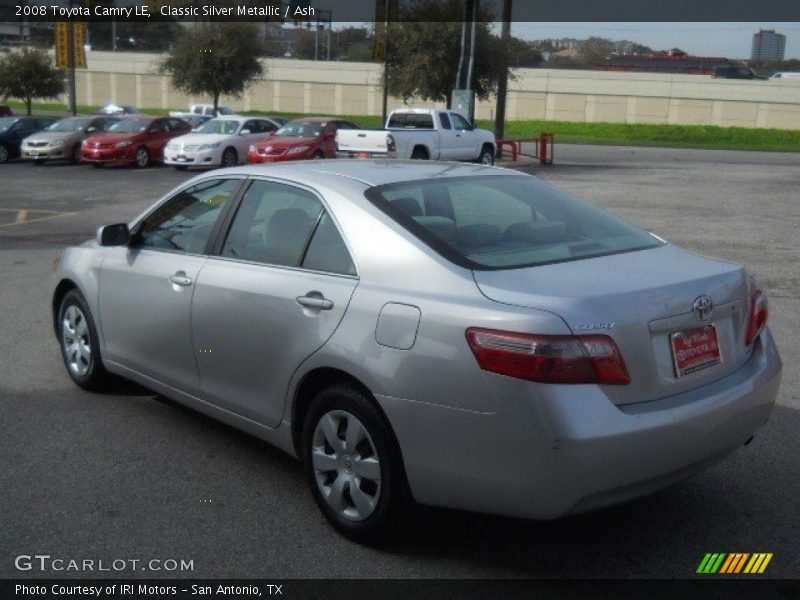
{"x":271,"y":296}
{"x":146,"y":288}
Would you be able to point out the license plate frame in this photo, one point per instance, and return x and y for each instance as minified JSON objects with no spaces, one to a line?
{"x":695,"y":350}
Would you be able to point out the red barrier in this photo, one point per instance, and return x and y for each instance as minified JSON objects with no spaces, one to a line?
{"x":543,"y":147}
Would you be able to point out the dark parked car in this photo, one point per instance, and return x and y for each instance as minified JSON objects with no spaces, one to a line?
{"x":133,"y":141}
{"x":15,"y":129}
{"x":733,"y":72}
{"x":5,"y":111}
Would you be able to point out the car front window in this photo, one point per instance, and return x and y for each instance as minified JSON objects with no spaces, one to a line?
{"x":505,"y":222}
{"x":300,"y":129}
{"x":6,"y":123}
{"x":68,"y":125}
{"x":129,"y":126}
{"x":219,"y":127}
{"x":185,"y":222}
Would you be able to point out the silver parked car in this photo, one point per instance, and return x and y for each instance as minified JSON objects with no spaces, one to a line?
{"x":455,"y":335}
{"x":62,"y":140}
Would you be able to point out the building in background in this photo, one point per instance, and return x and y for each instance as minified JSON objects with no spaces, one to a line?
{"x":768,"y":46}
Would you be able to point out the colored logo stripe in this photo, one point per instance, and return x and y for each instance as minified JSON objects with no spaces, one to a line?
{"x":734,"y":562}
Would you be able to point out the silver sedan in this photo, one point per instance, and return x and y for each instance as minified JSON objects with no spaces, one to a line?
{"x":446,"y":334}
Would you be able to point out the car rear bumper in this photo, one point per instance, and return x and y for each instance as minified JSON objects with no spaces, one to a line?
{"x":570,"y":449}
{"x":364,"y":155}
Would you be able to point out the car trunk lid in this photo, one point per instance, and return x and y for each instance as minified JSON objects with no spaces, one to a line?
{"x":639,"y":299}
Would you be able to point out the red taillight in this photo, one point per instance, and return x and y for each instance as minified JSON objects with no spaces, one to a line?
{"x":757,"y":318}
{"x":549,"y":358}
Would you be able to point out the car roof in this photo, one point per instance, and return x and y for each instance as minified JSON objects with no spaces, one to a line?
{"x":368,"y":172}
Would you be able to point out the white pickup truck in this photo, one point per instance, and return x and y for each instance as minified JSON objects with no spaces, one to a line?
{"x":202,"y":110}
{"x":426,"y":134}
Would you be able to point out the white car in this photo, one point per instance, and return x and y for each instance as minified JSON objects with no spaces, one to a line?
{"x":219,"y":142}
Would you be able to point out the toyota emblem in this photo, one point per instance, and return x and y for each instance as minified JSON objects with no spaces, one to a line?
{"x":703,"y":308}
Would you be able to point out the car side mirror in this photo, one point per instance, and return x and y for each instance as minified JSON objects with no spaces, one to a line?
{"x":245,"y":132}
{"x":117,"y":234}
{"x":152,"y":130}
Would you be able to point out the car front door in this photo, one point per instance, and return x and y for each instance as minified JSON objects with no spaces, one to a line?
{"x":447,"y":137}
{"x":274,"y":293}
{"x":466,"y":145}
{"x":146,"y":287}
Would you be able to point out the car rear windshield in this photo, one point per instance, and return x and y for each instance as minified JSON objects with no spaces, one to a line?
{"x":410,"y":121}
{"x":498,"y":222}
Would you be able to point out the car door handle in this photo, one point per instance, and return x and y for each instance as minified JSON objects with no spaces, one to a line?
{"x":315,"y":300}
{"x":180,"y":278}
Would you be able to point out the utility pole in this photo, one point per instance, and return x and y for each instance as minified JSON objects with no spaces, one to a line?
{"x":73,"y":105}
{"x":502,"y":84}
{"x":385,"y":111}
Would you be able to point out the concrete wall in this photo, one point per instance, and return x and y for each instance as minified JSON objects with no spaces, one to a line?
{"x":344,"y":88}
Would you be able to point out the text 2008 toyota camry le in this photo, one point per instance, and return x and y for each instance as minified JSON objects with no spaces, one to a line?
{"x":454,"y":335}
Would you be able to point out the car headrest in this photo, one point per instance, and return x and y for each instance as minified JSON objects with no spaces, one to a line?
{"x":442,"y":227}
{"x":409,"y":206}
{"x":478,"y":235}
{"x":542,"y":232}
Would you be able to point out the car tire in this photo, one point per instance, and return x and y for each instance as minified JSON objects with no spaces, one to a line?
{"x":362,"y":491}
{"x":486,"y":156}
{"x":419,"y":154}
{"x":5,"y":153}
{"x":318,"y":155}
{"x":142,"y":157}
{"x":229,"y":158}
{"x":78,"y":341}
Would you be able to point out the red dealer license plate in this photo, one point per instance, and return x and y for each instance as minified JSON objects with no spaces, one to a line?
{"x":694,"y":350}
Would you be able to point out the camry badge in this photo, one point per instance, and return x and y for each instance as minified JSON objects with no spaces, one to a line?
{"x":588,"y":326}
{"x":703,"y":308}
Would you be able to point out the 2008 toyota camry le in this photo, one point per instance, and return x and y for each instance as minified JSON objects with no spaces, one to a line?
{"x":418,"y":332}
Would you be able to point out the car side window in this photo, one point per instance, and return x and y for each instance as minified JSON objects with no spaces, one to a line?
{"x":253,"y":126}
{"x":327,"y":251}
{"x":445,"y":121}
{"x":460,"y":122}
{"x":184,"y":223}
{"x":273,"y":224}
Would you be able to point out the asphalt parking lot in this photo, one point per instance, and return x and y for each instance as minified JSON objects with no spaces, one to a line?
{"x":133,"y":475}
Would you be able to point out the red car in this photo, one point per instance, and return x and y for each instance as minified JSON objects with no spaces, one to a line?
{"x":300,"y":139}
{"x":133,"y":141}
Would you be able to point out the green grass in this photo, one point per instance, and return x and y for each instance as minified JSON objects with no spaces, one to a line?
{"x":609,"y":134}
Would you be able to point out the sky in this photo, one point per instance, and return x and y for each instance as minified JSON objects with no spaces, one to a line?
{"x":731,"y":40}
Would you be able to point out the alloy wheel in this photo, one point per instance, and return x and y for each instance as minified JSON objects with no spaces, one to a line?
{"x":75,"y":341}
{"x":3,"y":153}
{"x":142,"y":157}
{"x":346,"y":465}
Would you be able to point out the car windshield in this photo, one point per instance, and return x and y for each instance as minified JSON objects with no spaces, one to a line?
{"x":300,"y":129}
{"x":69,"y":125}
{"x":505,"y":222}
{"x":129,"y":126}
{"x":7,"y":122}
{"x":219,"y":126}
